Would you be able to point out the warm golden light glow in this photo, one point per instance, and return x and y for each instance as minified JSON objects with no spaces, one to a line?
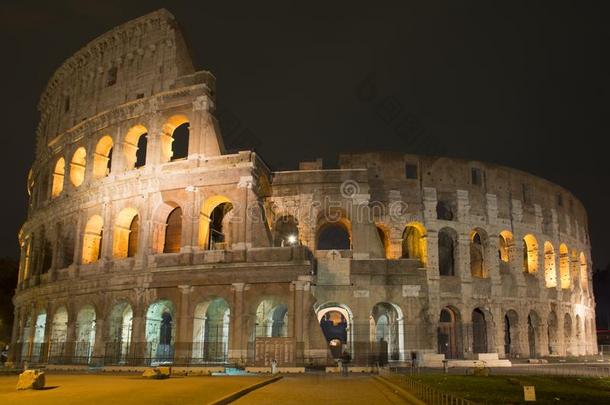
{"x":564,"y":266}
{"x":130,"y":146}
{"x":167,"y":135}
{"x":584,"y":276}
{"x":58,"y":177}
{"x":550,"y":273}
{"x":92,"y":239}
{"x":204,"y":218}
{"x":505,"y":240}
{"x":77,"y":166}
{"x":414,"y":242}
{"x":123,"y":229}
{"x":530,"y":254}
{"x":101,"y":158}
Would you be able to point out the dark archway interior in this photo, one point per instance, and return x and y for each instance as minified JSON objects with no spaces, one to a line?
{"x":446,"y":254}
{"x":334,"y":236}
{"x":334,"y":328}
{"x":141,"y":152}
{"x":180,"y":146}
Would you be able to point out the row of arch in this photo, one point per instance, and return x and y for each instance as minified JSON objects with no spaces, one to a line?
{"x":451,"y":336}
{"x":174,"y":146}
{"x":337,"y":236}
{"x":479,"y":251}
{"x":210,"y":332}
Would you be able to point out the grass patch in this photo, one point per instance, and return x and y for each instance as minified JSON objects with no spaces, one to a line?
{"x":509,"y":389}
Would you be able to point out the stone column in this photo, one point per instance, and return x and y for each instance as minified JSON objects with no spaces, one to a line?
{"x":153,"y":144}
{"x":99,"y":345}
{"x":493,"y":265}
{"x":238,"y":335}
{"x":360,"y":334}
{"x":190,"y":222}
{"x":463,"y":264}
{"x":17,"y":322}
{"x":108,"y":231}
{"x":48,"y":327}
{"x":240,"y":229}
{"x":205,"y":139}
{"x":70,"y":335}
{"x":137,"y":348}
{"x":78,"y":239}
{"x":184,"y":330}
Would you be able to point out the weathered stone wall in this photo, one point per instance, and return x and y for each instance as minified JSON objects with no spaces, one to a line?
{"x":390,"y":264}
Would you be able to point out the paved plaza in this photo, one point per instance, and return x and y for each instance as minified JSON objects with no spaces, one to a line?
{"x":66,"y":389}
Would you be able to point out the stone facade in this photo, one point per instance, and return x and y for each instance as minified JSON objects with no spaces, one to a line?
{"x":135,"y":252}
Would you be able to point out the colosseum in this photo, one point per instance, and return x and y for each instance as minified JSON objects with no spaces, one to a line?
{"x":146,"y":242}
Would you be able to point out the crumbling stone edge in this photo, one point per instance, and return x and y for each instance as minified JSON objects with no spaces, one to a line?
{"x":227,"y":399}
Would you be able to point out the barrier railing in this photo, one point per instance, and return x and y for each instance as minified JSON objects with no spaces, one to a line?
{"x":426,"y":393}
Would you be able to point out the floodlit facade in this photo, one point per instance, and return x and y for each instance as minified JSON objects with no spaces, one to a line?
{"x":146,"y":242}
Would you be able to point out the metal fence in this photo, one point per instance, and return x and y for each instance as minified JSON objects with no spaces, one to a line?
{"x":119,"y":353}
{"x":426,"y":393}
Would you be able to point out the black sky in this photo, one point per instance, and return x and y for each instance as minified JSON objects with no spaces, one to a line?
{"x":524,"y":84}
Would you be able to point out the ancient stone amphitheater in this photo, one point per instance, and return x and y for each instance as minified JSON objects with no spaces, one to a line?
{"x":146,"y":242}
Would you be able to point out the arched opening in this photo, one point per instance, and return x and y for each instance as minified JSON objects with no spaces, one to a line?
{"x":59,"y":335}
{"x":584,"y":276}
{"x":533,"y":324}
{"x":173,"y":231}
{"x":336,"y":324}
{"x":478,"y":243}
{"x":77,"y":166}
{"x":552,"y":334}
{"x":567,"y":334}
{"x":271,"y":319}
{"x":564,"y":266}
{"x":286,"y":231}
{"x":39,"y":329}
{"x":334,"y":236}
{"x":446,"y":251}
{"x":448,"y":333}
{"x":119,"y":333}
{"x":102,"y":159}
{"x":444,"y":211}
{"x":214,"y":222}
{"x":479,"y":332}
{"x":414,"y":242}
{"x":85,"y":334}
{"x":58,"y":177}
{"x":211,"y":331}
{"x":505,"y":242}
{"x":92,"y":239}
{"x":175,"y":138}
{"x":125,"y":241}
{"x":530,"y":254}
{"x":550,"y":274}
{"x":160,"y":332}
{"x":382,"y":234}
{"x":511,"y":334}
{"x":387,"y":332}
{"x":134,"y":147}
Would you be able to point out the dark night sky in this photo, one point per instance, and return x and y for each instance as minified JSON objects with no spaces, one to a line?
{"x":524,"y":84}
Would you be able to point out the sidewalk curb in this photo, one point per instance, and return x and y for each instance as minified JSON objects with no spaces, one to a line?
{"x":227,"y":399}
{"x":406,"y":395}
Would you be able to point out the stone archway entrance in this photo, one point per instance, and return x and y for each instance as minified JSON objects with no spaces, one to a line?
{"x":447,"y":333}
{"x":479,"y":332}
{"x":336,"y":324}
